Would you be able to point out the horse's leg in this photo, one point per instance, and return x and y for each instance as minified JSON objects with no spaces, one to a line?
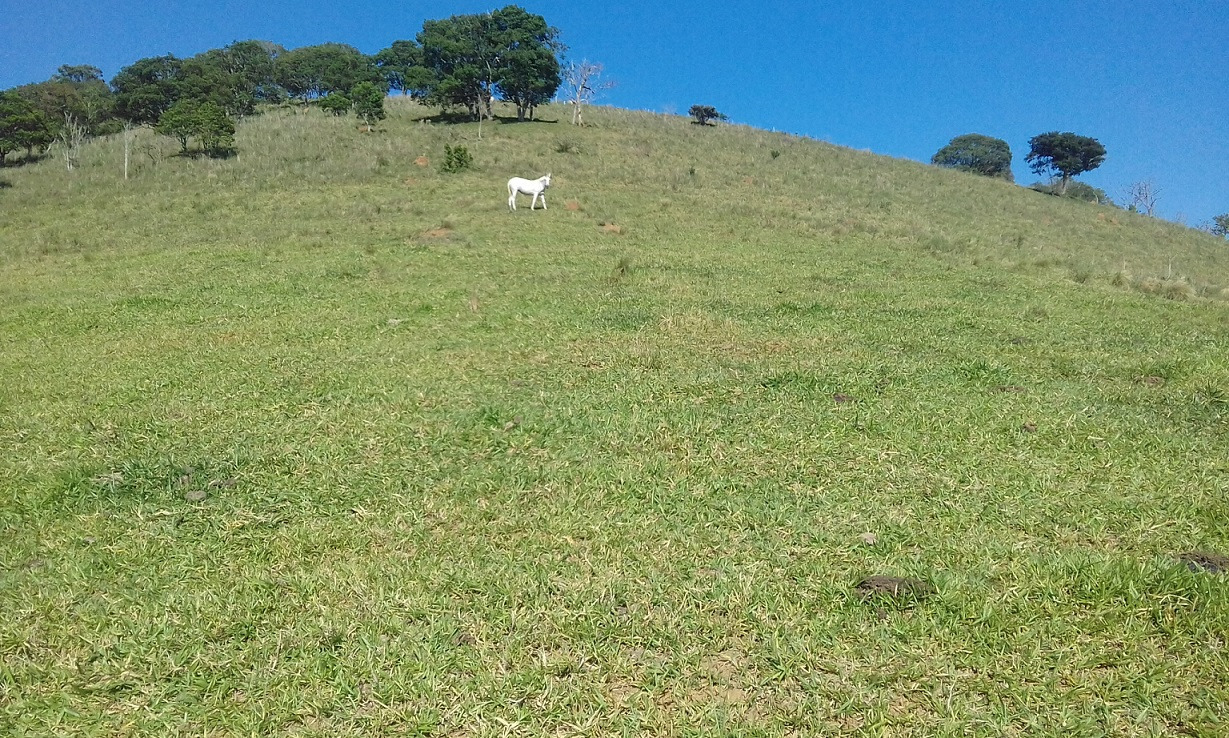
{"x":543,"y":199}
{"x":511,"y":199}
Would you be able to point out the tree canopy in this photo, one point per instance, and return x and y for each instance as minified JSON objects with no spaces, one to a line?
{"x":146,"y":88}
{"x":1065,"y":154}
{"x":22,"y":126}
{"x":973,"y":152}
{"x":471,"y":58}
{"x":314,"y":71}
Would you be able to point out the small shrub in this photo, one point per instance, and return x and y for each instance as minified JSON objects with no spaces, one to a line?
{"x":456,"y":159}
{"x":567,"y":146}
{"x":336,"y":103}
{"x":774,"y":153}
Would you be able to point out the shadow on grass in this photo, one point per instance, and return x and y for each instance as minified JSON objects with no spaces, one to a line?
{"x":453,"y":117}
{"x":24,"y":161}
{"x":5,"y":184}
{"x":199,"y":154}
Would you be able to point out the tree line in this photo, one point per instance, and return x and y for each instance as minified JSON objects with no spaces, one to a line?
{"x":460,"y":63}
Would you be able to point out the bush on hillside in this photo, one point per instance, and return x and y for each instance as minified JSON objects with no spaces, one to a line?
{"x":368,"y":103}
{"x":1220,"y":225}
{"x":705,"y":113}
{"x":336,"y":103}
{"x":456,"y":159}
{"x":1076,"y":191}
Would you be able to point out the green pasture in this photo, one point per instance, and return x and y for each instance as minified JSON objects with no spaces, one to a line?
{"x":320,"y":441}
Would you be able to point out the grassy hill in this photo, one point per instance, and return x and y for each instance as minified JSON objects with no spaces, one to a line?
{"x":318,"y":441}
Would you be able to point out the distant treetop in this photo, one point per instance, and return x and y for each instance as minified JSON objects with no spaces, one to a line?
{"x":978,"y":154}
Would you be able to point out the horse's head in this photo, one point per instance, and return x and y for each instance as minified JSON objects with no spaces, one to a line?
{"x":546,"y":180}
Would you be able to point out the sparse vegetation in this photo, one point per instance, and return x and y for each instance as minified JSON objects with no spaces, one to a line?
{"x":302,"y":444}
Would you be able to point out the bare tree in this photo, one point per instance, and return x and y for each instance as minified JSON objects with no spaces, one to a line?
{"x":72,"y":136}
{"x":1142,"y":196}
{"x":130,"y":132}
{"x":582,"y":82}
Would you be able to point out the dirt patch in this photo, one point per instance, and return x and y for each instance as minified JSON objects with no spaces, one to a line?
{"x":410,"y":182}
{"x":841,"y":398}
{"x":1010,"y":389}
{"x":422,"y":161}
{"x":882,"y":588}
{"x":437,"y":233}
{"x":1029,"y":427}
{"x":1212,"y":563}
{"x":1150,"y":381}
{"x":612,"y":228}
{"x":572,"y":205}
{"x":749,"y":180}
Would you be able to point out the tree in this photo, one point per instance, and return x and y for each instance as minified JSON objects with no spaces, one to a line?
{"x":402,"y":67}
{"x":470,"y":58}
{"x":215,"y":129}
{"x":528,"y":69}
{"x":1064,"y":154}
{"x":459,"y":53}
{"x":205,"y":121}
{"x":368,"y":103}
{"x":72,"y":135}
{"x":179,"y":122}
{"x":1220,"y":225}
{"x":314,"y":71}
{"x":1142,"y":197}
{"x":704,"y":113}
{"x":583,"y":83}
{"x":77,"y":91}
{"x":78,"y":73}
{"x":973,"y":152}
{"x":336,"y":103}
{"x":145,"y":89}
{"x":22,"y":126}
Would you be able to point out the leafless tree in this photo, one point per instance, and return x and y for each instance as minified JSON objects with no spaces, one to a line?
{"x":72,"y":136}
{"x":129,"y":133}
{"x":583,"y":83}
{"x":1143,"y":196}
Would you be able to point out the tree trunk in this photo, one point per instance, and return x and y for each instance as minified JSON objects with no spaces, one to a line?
{"x":1062,"y":184}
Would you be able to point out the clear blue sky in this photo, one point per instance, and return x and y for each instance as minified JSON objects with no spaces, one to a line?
{"x":1149,"y":79}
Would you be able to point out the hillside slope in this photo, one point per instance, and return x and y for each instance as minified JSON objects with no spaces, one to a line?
{"x":319,"y":441}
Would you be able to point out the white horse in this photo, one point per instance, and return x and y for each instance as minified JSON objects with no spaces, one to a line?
{"x":536,"y":187}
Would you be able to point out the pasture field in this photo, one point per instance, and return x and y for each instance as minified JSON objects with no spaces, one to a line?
{"x":316,"y":441}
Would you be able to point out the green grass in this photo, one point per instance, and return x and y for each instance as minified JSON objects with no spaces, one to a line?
{"x":316,"y":441}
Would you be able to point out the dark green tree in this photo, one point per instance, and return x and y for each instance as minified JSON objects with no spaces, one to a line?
{"x":702,"y":114}
{"x":146,"y":88}
{"x":77,"y":73}
{"x":471,"y":58}
{"x":368,"y":103}
{"x":22,"y":126}
{"x":460,"y":55}
{"x":89,"y":102}
{"x":1220,"y":225}
{"x":1065,"y":155}
{"x":402,"y":67}
{"x":973,"y":152}
{"x":528,"y":71}
{"x":314,"y":71}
